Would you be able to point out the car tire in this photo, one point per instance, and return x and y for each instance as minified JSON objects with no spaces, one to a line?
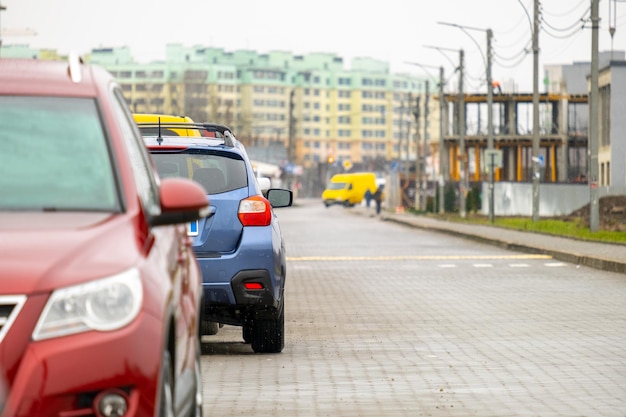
{"x":268,"y":335}
{"x":246,"y":332}
{"x":209,"y":328}
{"x":197,"y":406}
{"x":166,"y":405}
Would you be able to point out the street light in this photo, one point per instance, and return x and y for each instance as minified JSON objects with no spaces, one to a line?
{"x":488,"y":63}
{"x":442,"y":170}
{"x":461,"y":128}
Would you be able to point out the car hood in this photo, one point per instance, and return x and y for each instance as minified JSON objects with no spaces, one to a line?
{"x":43,"y":251}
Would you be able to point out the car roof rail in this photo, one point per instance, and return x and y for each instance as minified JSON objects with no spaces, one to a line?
{"x":74,"y":67}
{"x":225,"y":133}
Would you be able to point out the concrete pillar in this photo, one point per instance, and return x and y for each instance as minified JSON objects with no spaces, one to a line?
{"x":563,"y":149}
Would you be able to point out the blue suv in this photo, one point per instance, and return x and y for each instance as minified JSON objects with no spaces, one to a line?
{"x":239,"y":245}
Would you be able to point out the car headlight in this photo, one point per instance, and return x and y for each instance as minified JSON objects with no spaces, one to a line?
{"x":105,"y":304}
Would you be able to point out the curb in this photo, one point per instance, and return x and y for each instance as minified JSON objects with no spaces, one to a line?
{"x":574,"y":258}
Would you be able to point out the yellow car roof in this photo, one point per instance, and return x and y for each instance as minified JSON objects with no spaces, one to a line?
{"x":165,"y":118}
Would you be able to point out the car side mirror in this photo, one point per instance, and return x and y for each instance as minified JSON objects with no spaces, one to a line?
{"x":182,"y":201}
{"x":279,"y":197}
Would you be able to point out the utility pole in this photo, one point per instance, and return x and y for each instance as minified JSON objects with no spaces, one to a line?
{"x":291,"y":149}
{"x":423,"y":196}
{"x":461,"y":127}
{"x":442,"y":169}
{"x":592,"y":178}
{"x":408,"y":142}
{"x":418,"y":155}
{"x":442,"y":107}
{"x":490,"y":124}
{"x":535,"y":155}
{"x":487,"y":61}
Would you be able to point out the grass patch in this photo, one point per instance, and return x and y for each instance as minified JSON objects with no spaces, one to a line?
{"x":568,"y":228}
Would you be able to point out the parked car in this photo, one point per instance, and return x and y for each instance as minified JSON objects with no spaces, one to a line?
{"x":100,"y":292}
{"x":239,"y":245}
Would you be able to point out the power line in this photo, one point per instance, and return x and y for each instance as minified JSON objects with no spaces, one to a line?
{"x":566,"y":13}
{"x":583,"y":18}
{"x":565,"y":36}
{"x":516,"y":56}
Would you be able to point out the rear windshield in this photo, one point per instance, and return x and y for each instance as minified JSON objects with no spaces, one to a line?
{"x":216,"y":172}
{"x":54,"y":156}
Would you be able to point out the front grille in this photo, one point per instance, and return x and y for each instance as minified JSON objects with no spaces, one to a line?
{"x":10,"y":306}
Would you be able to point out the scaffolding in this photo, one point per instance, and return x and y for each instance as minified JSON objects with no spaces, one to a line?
{"x":563,"y":137}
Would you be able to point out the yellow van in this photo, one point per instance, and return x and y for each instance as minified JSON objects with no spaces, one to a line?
{"x":155,"y":119}
{"x":348,"y":189}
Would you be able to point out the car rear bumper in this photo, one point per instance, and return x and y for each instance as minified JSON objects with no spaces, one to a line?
{"x":66,"y":376}
{"x":257,"y":251}
{"x":258,"y":259}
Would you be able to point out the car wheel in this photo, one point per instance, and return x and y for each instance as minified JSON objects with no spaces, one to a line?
{"x":268,"y":335}
{"x":197,"y":409}
{"x":166,"y":407}
{"x":247,"y":332}
{"x":209,"y":328}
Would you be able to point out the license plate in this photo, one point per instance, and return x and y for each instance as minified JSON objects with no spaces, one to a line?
{"x":192,"y":230}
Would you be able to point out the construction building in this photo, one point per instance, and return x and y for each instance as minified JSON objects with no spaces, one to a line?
{"x":563,"y":138}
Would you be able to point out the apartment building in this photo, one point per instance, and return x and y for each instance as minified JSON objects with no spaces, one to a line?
{"x":305,"y":109}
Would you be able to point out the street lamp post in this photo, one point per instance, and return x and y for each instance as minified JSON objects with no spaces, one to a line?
{"x":463,"y":176}
{"x":592,"y":177}
{"x":490,"y":135}
{"x":442,"y":166}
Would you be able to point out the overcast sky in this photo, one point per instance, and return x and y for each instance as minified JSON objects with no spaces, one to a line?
{"x":396,"y":31}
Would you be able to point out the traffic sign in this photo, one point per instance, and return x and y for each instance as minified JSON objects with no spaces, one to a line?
{"x":494,"y":158}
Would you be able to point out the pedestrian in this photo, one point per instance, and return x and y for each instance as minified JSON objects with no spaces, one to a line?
{"x":368,"y":199}
{"x":378,"y":198}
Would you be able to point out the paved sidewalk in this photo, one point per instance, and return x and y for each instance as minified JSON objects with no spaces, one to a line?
{"x":604,"y":256}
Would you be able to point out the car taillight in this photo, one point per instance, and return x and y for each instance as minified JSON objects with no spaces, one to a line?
{"x":253,"y":285}
{"x":255,"y":211}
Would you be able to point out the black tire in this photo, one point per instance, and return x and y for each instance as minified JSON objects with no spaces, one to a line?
{"x":166,"y":404}
{"x":246,"y":332}
{"x":209,"y":328}
{"x":268,"y":335}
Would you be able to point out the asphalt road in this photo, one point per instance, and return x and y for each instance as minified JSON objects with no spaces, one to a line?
{"x":387,"y":320}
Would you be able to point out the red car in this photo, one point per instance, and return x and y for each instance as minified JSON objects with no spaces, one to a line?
{"x":100,"y":292}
